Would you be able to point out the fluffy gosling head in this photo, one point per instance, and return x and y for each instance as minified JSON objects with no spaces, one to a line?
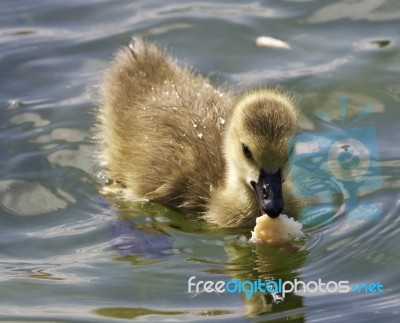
{"x":256,"y":146}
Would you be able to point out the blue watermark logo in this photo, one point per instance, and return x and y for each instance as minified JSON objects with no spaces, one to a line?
{"x":343,"y":161}
{"x":280,"y":287}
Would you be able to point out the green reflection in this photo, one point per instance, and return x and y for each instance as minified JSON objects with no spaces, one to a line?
{"x":137,"y":261}
{"x":132,"y":312}
{"x":266,"y":262}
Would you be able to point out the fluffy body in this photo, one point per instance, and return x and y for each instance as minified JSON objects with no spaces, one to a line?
{"x":167,"y":135}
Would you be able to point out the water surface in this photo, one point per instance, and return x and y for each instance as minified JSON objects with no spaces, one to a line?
{"x":70,"y":255}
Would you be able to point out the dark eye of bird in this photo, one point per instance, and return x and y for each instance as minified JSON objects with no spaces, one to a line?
{"x":246,"y":151}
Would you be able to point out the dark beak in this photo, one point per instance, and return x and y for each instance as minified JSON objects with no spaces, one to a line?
{"x":269,"y":191}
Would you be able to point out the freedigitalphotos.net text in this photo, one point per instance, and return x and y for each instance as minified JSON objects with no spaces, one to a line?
{"x":279,"y":286}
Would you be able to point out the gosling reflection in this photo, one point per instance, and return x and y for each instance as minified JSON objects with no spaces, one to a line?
{"x":263,"y":263}
{"x":143,"y":234}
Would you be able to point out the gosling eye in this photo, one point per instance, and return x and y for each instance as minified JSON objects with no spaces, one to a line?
{"x":246,"y":152}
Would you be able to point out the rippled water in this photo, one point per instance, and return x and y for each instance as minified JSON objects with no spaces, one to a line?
{"x":70,"y":255}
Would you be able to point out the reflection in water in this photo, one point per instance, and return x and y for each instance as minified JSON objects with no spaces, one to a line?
{"x":150,"y":243}
{"x":29,"y":117}
{"x":373,"y":10}
{"x":77,"y":158}
{"x":255,"y":75}
{"x":143,"y":243}
{"x":248,"y":262}
{"x":132,"y":313}
{"x":371,"y":44}
{"x":42,"y":274}
{"x":60,"y":243}
{"x":29,"y":198}
{"x":135,"y":242}
{"x":136,"y":312}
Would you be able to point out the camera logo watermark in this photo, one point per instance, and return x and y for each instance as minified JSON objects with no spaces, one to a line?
{"x":343,"y":161}
{"x":249,"y":288}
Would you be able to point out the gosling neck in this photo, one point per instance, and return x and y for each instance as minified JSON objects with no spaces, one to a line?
{"x":242,"y":196}
{"x":233,"y":204}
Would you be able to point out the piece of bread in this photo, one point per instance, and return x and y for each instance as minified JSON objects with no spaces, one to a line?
{"x":282,"y":228}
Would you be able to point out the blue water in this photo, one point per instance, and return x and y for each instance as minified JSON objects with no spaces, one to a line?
{"x":70,"y":254}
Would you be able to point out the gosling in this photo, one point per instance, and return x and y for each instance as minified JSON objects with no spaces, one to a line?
{"x":167,"y":135}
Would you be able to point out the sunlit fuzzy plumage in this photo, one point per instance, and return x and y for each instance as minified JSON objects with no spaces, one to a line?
{"x":167,"y":135}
